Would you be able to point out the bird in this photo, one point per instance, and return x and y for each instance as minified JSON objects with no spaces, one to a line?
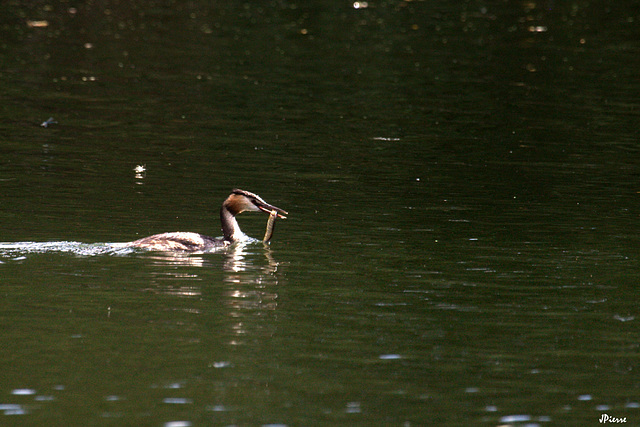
{"x":237,"y":202}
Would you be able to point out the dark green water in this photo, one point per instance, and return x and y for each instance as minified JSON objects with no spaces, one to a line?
{"x":462,"y":182}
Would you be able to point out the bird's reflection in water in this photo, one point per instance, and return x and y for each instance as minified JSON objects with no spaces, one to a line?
{"x":237,"y":258}
{"x":249,"y":276}
{"x":249,"y":290}
{"x":174,"y":277}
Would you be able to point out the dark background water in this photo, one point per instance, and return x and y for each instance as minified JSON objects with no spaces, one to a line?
{"x":462,"y":182}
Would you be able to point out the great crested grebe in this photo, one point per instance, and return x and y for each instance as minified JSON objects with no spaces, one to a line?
{"x":237,"y":202}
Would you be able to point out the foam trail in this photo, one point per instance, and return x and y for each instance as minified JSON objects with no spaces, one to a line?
{"x":19,"y":249}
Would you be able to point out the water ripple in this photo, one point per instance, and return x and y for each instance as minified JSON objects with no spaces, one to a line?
{"x":18,"y":250}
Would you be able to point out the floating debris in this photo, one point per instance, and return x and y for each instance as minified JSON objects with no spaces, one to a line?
{"x":50,"y":121}
{"x":37,"y":24}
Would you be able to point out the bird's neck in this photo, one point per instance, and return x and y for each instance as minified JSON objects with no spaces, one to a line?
{"x":230,"y":228}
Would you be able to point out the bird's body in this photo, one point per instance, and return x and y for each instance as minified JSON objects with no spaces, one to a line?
{"x":237,"y":202}
{"x":179,"y":241}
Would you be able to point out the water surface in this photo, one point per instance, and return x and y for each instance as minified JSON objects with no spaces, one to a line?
{"x":462,"y":188}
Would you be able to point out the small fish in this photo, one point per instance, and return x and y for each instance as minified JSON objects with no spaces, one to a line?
{"x":271,"y":223}
{"x":48,"y":122}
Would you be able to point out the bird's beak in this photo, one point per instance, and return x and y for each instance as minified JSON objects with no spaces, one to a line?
{"x":266,"y":207}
